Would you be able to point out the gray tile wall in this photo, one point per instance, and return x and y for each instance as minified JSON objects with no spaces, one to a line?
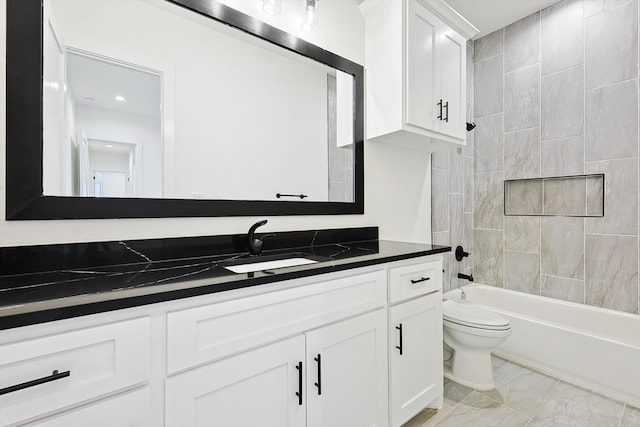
{"x":340,"y":158}
{"x":555,"y":94}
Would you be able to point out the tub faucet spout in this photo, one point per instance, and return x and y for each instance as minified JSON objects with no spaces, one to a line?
{"x":468,"y":277}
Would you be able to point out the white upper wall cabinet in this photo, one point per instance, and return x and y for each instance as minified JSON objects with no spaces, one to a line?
{"x":415,"y":73}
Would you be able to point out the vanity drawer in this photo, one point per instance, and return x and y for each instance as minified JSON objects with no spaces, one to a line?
{"x":199,"y":335}
{"x":414,"y":280}
{"x":47,"y":374}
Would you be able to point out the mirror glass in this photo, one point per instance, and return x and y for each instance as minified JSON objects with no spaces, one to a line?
{"x":146,"y":99}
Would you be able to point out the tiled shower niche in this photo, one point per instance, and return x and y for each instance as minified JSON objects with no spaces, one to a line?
{"x":580,"y":196}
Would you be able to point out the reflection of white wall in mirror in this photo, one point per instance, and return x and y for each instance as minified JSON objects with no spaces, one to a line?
{"x":344,"y":107}
{"x":110,"y":184}
{"x":53,"y":105}
{"x":108,"y":27}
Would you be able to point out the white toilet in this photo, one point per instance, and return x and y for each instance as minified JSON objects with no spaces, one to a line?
{"x":471,"y":332}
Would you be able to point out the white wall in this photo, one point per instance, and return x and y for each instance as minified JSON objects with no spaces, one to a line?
{"x":397,"y":180}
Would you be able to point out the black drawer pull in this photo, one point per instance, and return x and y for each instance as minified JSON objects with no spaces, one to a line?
{"x":319,"y":383}
{"x":422,"y":279}
{"x":446,"y":106}
{"x":399,"y":347}
{"x":299,"y":392}
{"x":55,"y":375}
{"x":439,"y":104}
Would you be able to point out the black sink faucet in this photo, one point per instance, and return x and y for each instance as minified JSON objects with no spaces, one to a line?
{"x":255,"y":245}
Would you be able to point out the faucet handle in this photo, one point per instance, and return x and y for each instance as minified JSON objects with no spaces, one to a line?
{"x":460,"y":253}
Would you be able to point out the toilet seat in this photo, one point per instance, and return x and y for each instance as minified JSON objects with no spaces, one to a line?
{"x":465,"y":315}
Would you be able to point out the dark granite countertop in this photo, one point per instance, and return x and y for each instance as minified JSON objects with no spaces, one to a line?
{"x":62,"y":287}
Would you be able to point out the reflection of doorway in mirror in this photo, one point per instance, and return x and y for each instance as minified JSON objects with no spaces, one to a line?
{"x":110,"y":168}
{"x":104,"y":99}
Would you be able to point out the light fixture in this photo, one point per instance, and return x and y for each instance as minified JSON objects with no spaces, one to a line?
{"x":109,"y":146}
{"x":120,"y":98}
{"x":272,"y":7}
{"x":310,"y":25}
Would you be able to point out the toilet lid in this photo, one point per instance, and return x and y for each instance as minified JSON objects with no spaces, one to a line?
{"x":467,"y":314}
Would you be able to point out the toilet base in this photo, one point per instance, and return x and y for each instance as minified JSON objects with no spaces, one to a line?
{"x":480,"y":387}
{"x":471,"y":368}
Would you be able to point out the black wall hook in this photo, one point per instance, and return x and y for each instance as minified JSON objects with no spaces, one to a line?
{"x":470,"y":126}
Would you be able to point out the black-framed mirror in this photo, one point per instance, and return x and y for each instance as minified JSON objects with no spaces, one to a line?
{"x":30,"y":194}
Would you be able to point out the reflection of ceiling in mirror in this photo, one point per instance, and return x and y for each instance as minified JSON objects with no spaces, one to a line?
{"x":96,"y":83}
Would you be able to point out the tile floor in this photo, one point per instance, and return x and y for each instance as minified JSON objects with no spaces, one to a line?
{"x":524,"y":397}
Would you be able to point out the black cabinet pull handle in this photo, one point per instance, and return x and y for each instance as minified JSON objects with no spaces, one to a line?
{"x":422,"y":279}
{"x":446,"y":106}
{"x":399,"y":347}
{"x":299,"y":392}
{"x":319,"y":383}
{"x":440,"y":105}
{"x":55,"y":375}
{"x":301,"y":196}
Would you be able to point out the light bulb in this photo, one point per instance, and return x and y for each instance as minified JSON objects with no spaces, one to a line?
{"x":272,"y":7}
{"x":311,"y":23}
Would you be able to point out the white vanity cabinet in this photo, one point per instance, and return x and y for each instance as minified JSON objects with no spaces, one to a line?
{"x":335,"y":375}
{"x":259,"y":387}
{"x":132,"y":409}
{"x":347,"y":373}
{"x":339,"y":369}
{"x":415,"y":334}
{"x":49,"y":373}
{"x":317,"y":351}
{"x":416,"y":73}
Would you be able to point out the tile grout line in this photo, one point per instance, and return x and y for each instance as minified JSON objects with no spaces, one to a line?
{"x":454,"y":407}
{"x":584,"y":150}
{"x":504,"y":127}
{"x":545,"y":399}
{"x":624,"y":408}
{"x":540,"y":158}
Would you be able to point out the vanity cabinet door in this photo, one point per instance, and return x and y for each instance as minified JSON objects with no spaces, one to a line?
{"x":436,"y":68}
{"x":258,"y":388}
{"x":452,"y":51}
{"x":422,"y":80}
{"x":347,"y":373}
{"x":415,"y":355}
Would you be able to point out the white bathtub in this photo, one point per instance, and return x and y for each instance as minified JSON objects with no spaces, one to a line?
{"x":592,"y":347}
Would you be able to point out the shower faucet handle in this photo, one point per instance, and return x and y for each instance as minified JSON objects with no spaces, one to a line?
{"x":460,"y":253}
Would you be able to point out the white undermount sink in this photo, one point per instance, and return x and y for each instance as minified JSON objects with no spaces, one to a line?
{"x":251,"y":267}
